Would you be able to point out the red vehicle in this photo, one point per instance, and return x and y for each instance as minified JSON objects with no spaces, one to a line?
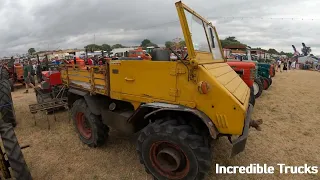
{"x":139,"y":53}
{"x":50,"y":87}
{"x":272,"y":70}
{"x":246,"y":71}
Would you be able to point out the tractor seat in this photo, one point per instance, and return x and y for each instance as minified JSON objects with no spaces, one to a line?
{"x":160,"y":55}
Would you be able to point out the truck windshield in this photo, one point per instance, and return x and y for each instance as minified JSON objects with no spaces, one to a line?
{"x":197,"y":32}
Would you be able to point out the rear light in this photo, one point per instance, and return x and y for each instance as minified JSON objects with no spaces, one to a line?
{"x":203,"y":87}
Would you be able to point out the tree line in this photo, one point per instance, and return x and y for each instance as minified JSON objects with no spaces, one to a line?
{"x":175,"y":43}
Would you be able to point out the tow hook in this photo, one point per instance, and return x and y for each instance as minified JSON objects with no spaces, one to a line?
{"x":256,"y":124}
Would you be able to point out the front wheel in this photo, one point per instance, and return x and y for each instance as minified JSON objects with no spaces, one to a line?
{"x":270,"y":81}
{"x":13,"y":152}
{"x":89,"y":126}
{"x":170,"y":150}
{"x":265,"y":83}
{"x":6,"y":103}
{"x":252,"y":98}
{"x":257,"y":87}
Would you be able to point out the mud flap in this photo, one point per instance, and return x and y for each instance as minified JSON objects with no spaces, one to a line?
{"x":239,"y":144}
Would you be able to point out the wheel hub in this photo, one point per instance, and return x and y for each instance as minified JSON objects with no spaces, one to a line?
{"x":169,"y":160}
{"x":83,"y":125}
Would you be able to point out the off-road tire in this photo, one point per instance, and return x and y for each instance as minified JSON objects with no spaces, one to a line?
{"x":11,"y":84}
{"x":252,"y":98}
{"x":4,"y":73}
{"x":263,"y":80}
{"x":260,"y":85}
{"x":6,"y":104}
{"x":99,"y":131}
{"x":193,"y":146}
{"x":270,"y":80}
{"x":13,"y":152}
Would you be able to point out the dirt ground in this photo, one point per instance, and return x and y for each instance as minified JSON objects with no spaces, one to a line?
{"x":290,"y":134}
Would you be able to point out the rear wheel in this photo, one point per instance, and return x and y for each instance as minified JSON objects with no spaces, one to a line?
{"x":13,"y":152}
{"x":270,"y":81}
{"x":252,"y":98}
{"x":4,"y":73}
{"x":170,"y":150}
{"x":257,"y":88}
{"x":265,"y":83}
{"x":89,"y":126}
{"x":11,"y":84}
{"x":6,"y":104}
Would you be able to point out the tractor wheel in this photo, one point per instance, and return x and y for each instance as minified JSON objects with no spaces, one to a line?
{"x":11,"y":84}
{"x":90,"y":128}
{"x":170,"y":150}
{"x":270,"y":80}
{"x":4,"y":73}
{"x":252,"y":98}
{"x":13,"y":152}
{"x":6,"y":105}
{"x":257,"y":87}
{"x":265,"y":83}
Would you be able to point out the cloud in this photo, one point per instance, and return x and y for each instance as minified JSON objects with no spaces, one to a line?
{"x":53,"y":24}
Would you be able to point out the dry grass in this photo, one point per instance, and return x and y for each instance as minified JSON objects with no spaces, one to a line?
{"x":290,"y":111}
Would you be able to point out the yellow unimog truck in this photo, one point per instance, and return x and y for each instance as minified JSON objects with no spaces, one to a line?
{"x":176,"y":107}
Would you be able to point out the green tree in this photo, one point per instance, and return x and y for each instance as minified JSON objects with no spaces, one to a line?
{"x":106,"y":47}
{"x":146,"y":43}
{"x":168,"y":44}
{"x":178,"y":42}
{"x":272,"y":51}
{"x":289,"y":54}
{"x":117,"y":46}
{"x":93,"y":47}
{"x":231,"y":40}
{"x":31,"y":51}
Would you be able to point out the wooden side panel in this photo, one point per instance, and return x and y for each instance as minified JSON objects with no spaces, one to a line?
{"x":94,"y":79}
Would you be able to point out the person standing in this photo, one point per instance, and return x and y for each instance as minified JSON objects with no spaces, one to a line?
{"x":27,"y":68}
{"x":290,"y":62}
{"x":285,"y":65}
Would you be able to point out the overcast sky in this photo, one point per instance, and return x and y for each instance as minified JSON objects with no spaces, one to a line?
{"x":57,"y":24}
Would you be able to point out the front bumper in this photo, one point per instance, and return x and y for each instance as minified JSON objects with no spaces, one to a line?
{"x":239,"y":144}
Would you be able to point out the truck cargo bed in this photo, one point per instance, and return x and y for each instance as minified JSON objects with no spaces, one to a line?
{"x":94,"y":79}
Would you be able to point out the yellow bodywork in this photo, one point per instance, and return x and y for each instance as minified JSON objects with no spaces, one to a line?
{"x":174,"y":82}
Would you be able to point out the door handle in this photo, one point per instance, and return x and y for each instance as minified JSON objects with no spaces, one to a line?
{"x":128,"y":79}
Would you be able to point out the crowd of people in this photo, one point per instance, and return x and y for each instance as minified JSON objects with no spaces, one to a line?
{"x":285,"y":64}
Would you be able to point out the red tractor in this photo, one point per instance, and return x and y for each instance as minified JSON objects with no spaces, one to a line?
{"x":50,"y":88}
{"x":246,"y":71}
{"x":13,"y":71}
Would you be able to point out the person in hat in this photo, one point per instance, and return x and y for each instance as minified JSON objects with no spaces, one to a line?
{"x":27,"y":68}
